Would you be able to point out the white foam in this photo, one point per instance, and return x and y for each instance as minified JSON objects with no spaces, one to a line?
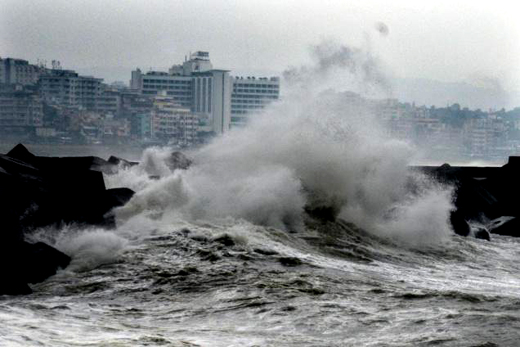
{"x":90,"y":248}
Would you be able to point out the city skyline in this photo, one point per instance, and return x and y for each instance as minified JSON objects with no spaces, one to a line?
{"x":470,"y":43}
{"x":191,"y":101}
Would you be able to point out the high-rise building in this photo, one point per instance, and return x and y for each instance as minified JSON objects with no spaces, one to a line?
{"x":250,"y":95}
{"x":153,"y":82}
{"x":208,"y":92}
{"x":212,"y":100}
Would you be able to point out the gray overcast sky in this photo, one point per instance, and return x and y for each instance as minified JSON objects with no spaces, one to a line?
{"x":442,"y":40}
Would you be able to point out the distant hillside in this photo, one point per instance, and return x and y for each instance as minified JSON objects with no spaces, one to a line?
{"x":430,"y":92}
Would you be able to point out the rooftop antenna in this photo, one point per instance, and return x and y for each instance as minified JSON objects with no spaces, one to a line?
{"x":56,"y":65}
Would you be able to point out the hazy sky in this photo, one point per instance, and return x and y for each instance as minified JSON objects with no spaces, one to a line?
{"x":453,"y":40}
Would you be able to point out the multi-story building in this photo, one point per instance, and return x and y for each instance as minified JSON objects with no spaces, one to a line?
{"x":251,"y":95}
{"x":482,"y":136}
{"x":212,"y":100}
{"x":208,"y":92}
{"x":67,"y":88}
{"x":18,"y":71}
{"x":109,"y":101}
{"x":153,"y":82}
{"x":172,"y":122}
{"x":133,"y":103}
{"x":21,"y":109}
{"x":177,"y":82}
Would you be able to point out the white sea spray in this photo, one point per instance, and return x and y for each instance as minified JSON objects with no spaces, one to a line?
{"x":315,"y":147}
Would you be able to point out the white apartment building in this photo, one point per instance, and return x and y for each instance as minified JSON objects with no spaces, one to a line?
{"x":251,"y":95}
{"x":212,"y":94}
{"x":18,"y":71}
{"x":153,"y":82}
{"x":177,"y":83}
{"x":218,"y":112}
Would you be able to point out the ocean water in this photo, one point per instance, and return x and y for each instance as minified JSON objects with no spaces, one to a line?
{"x":223,"y":254}
{"x":234,"y":283}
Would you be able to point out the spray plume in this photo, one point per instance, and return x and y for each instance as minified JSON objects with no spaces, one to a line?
{"x":316,"y":147}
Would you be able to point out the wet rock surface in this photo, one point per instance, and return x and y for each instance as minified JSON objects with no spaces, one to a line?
{"x":37,"y":192}
{"x":483,"y":195}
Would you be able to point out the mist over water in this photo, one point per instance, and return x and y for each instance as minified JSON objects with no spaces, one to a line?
{"x":339,"y":68}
